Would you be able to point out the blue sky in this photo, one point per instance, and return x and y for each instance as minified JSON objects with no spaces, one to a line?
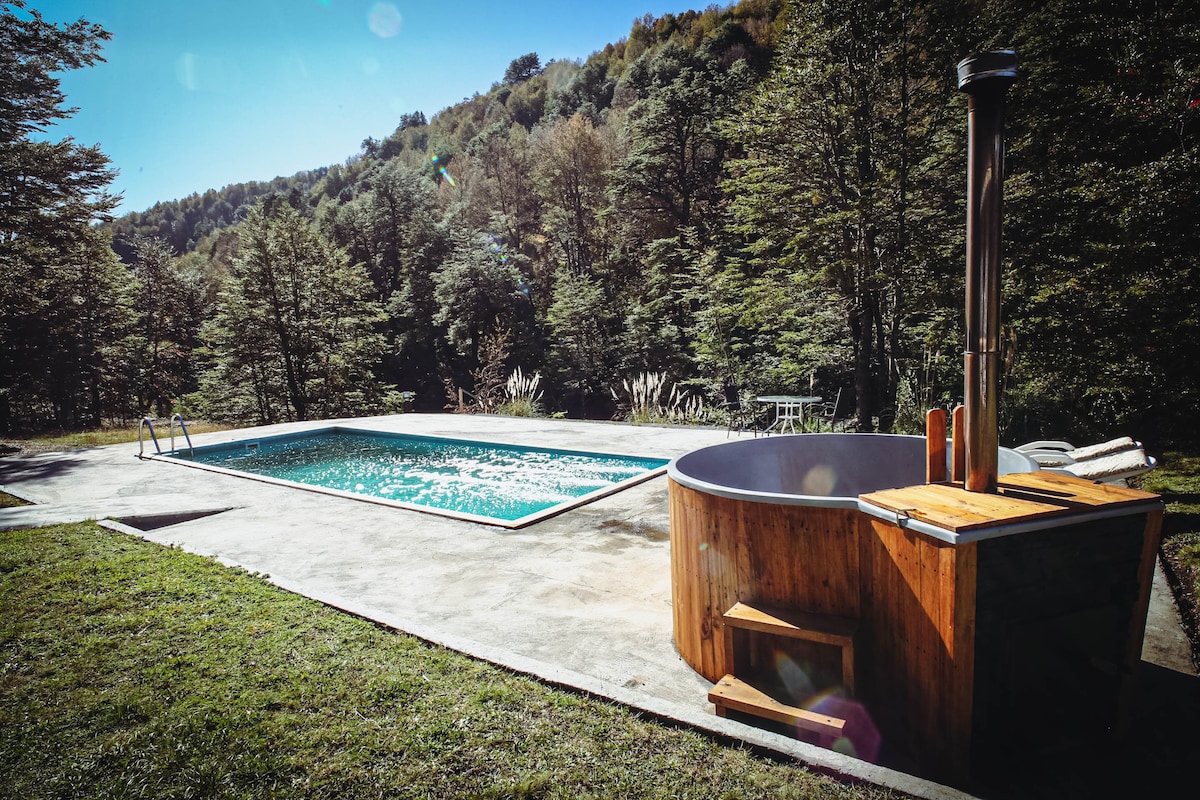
{"x":198,"y":94}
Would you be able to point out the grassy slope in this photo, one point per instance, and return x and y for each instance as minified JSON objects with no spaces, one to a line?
{"x":129,"y":669}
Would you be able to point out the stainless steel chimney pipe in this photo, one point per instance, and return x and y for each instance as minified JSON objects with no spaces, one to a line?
{"x":985,"y":78}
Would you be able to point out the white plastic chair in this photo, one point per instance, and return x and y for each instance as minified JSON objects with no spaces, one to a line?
{"x":1114,"y":461}
{"x":1050,"y":450}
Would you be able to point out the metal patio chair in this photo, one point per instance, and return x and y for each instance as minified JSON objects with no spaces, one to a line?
{"x":827,"y":412}
{"x":739,"y":415}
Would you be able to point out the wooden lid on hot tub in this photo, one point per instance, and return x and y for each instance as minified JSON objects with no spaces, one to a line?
{"x":1027,"y":499}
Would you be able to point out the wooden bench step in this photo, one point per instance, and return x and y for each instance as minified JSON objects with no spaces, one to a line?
{"x":822,"y":628}
{"x":732,"y":694}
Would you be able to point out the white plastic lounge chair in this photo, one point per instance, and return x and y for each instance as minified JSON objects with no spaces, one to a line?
{"x":1115,"y":468}
{"x":1061,"y":454}
{"x":1114,"y":461}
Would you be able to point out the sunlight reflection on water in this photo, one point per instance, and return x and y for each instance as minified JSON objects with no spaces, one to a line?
{"x":488,"y":480}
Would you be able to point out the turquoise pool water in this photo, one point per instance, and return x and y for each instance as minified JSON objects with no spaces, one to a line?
{"x":491,"y":482}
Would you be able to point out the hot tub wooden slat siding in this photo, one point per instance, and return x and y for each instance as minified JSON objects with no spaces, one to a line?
{"x":918,"y":636}
{"x":965,"y":641}
{"x":725,"y":551}
{"x":1038,"y":591}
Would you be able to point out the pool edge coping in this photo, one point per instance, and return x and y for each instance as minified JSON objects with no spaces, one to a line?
{"x":463,"y":516}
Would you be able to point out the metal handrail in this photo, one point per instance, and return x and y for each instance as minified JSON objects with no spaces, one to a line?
{"x":188,"y":439}
{"x":145,"y":424}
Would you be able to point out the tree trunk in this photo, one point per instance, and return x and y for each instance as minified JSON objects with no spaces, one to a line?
{"x":860,"y":331}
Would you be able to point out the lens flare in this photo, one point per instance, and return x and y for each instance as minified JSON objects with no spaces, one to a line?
{"x":819,"y":481}
{"x":793,"y":676}
{"x":384,"y":20}
{"x":441,"y":170}
{"x":186,"y":72}
{"x":862,"y":738}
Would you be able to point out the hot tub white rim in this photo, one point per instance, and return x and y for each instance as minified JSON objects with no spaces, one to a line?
{"x":776,"y":498}
{"x":789,"y":499}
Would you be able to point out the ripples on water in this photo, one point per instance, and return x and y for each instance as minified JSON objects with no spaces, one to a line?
{"x":488,"y":480}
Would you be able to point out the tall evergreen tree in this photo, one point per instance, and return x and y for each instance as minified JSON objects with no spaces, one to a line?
{"x":171,"y":306}
{"x":571,"y":163}
{"x":51,"y":366}
{"x":294,"y":334}
{"x":1103,"y":250}
{"x":479,"y":293}
{"x":394,"y":230}
{"x":667,"y":193}
{"x":837,"y":140}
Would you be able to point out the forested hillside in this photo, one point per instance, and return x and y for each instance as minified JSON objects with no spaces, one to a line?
{"x":769,"y":195}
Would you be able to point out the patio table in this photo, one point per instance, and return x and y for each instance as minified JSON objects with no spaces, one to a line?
{"x":788,"y":409}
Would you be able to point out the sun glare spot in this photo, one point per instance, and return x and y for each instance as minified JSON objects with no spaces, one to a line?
{"x":819,"y":481}
{"x":384,"y":20}
{"x":793,"y":676}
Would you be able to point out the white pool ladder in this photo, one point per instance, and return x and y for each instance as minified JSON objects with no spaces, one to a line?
{"x":147,"y":424}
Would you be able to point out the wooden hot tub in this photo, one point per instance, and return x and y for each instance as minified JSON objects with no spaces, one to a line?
{"x":822,"y":565}
{"x":775,"y":520}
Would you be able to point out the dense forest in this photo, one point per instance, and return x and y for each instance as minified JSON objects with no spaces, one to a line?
{"x":768,"y":195}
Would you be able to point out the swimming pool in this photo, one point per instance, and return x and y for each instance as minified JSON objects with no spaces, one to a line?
{"x":498,"y":484}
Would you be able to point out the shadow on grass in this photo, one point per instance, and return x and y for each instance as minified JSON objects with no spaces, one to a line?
{"x":1182,"y":498}
{"x":1175,"y":524}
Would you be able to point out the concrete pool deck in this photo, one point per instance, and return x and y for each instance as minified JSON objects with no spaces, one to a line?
{"x":582,"y":599}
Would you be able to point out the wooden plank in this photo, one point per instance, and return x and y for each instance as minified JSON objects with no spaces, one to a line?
{"x":824,"y":628}
{"x":955,"y":509}
{"x":1070,"y":489}
{"x":917,"y":641}
{"x":789,"y":623}
{"x":935,"y":445}
{"x":929,"y":639}
{"x":958,"y":470}
{"x":959,"y":584}
{"x":736,"y":695}
{"x":1022,"y":497}
{"x":683,"y":593}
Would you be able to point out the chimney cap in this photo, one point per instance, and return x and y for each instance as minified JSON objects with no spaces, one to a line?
{"x":997,"y":64}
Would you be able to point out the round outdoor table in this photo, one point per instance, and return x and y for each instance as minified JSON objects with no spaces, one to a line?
{"x":788,"y":409}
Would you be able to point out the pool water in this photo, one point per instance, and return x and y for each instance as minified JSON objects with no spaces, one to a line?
{"x":489,"y":482}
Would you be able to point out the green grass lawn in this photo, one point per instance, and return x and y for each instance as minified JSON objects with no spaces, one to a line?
{"x":111,"y":434}
{"x":128,"y":669}
{"x":8,"y":501}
